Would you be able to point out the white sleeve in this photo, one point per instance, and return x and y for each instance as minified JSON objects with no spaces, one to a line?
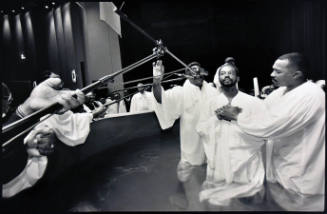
{"x":276,"y":123}
{"x":216,"y":80}
{"x":133,"y":107}
{"x":171,"y":106}
{"x":32,"y":172}
{"x":122,"y":107}
{"x":71,"y":128}
{"x":205,"y":126}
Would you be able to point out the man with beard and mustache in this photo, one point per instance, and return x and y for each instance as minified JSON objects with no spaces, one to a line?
{"x":234,"y":159}
{"x":294,"y":123}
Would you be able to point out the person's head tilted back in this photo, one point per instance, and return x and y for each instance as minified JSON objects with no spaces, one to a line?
{"x":198,"y":73}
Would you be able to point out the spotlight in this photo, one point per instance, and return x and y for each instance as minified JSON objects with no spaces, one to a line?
{"x":53,"y":3}
{"x":13,"y":11}
{"x":22,"y":56}
{"x":22,"y":7}
{"x":46,"y":7}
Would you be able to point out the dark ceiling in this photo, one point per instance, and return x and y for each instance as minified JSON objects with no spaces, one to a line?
{"x":9,"y":5}
{"x":254,"y":32}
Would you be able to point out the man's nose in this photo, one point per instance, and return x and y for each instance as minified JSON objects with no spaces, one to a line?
{"x":273,"y":74}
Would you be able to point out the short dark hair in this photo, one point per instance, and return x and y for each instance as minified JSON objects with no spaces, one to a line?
{"x":202,"y":71}
{"x":232,"y":64}
{"x":192,"y":64}
{"x":230,"y":60}
{"x":298,"y":61}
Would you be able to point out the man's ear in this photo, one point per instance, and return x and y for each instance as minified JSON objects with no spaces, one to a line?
{"x":238,"y":79}
{"x":297,"y":74}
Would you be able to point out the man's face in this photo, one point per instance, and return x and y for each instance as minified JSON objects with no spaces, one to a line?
{"x":282,"y":74}
{"x":227,"y":76}
{"x":140,"y":88}
{"x":198,"y":79}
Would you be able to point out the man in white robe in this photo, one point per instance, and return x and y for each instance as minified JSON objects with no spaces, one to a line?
{"x":294,"y":122}
{"x":234,"y":159}
{"x":116,"y":108}
{"x":216,"y":77}
{"x":141,"y":101}
{"x":184,"y":102}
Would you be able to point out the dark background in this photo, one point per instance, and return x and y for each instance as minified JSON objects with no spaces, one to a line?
{"x":254,"y":32}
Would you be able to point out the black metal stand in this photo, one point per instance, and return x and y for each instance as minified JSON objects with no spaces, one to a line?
{"x":158,"y":43}
{"x":8,"y":132}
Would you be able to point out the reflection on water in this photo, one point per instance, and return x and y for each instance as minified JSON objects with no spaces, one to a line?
{"x":292,"y":201}
{"x":271,"y":198}
{"x":143,"y":177}
{"x":147,"y":181}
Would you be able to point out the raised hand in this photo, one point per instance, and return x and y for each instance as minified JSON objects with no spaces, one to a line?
{"x":158,"y":71}
{"x":49,"y":92}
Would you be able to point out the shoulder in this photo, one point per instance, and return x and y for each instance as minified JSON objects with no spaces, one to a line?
{"x":248,"y":100}
{"x":209,"y":88}
{"x":249,"y":97}
{"x":312,"y":92}
{"x":176,"y":89}
{"x":136,"y":95}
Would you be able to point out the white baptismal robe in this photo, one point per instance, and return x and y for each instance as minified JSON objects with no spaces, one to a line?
{"x":235,"y":167}
{"x":71,"y":129}
{"x":141,"y":102}
{"x":295,"y":125}
{"x":115,"y":108}
{"x":185,"y":103}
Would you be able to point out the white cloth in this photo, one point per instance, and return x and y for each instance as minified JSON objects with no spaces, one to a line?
{"x":185,"y":103}
{"x":291,"y":201}
{"x":32,"y":172}
{"x":115,"y":108}
{"x":235,"y":167}
{"x":72,"y":129}
{"x":216,"y":80}
{"x":295,"y":124}
{"x":141,"y":102}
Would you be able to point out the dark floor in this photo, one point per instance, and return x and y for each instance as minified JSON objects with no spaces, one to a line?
{"x":137,"y":176}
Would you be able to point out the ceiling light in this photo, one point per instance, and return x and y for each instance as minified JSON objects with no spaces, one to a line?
{"x":22,"y":7}
{"x":22,"y":56}
{"x":46,"y":7}
{"x":53,"y":3}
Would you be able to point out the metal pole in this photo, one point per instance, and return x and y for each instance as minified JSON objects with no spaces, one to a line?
{"x":56,"y":106}
{"x":156,"y":42}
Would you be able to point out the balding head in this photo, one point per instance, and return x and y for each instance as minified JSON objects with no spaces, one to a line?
{"x":140,"y":87}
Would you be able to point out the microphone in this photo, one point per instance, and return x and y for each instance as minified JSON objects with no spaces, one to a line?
{"x":184,"y":75}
